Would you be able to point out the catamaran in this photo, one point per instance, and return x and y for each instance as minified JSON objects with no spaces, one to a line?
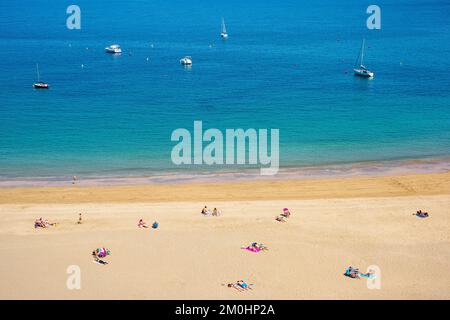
{"x":224,"y":33}
{"x":39,"y":84}
{"x":362,"y":71}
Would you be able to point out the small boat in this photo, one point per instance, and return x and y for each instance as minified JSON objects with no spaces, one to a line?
{"x":362,"y":71}
{"x":39,"y":84}
{"x":187,"y":61}
{"x":224,"y":33}
{"x":114,"y":48}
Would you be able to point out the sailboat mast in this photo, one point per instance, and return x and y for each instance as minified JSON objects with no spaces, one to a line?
{"x":362,"y":53}
{"x":37,"y":71}
{"x":224,"y":30}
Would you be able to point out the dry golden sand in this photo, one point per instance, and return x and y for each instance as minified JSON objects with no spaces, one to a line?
{"x":335,"y":223}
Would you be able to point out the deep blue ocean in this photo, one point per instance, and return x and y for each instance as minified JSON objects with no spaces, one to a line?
{"x":285,"y":65}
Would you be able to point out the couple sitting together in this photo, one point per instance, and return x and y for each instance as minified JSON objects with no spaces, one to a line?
{"x":207,"y":212}
{"x":143,"y":224}
{"x":421,"y":214}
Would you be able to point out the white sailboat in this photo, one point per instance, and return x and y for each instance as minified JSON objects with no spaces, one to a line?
{"x":39,"y":84}
{"x":224,"y":33}
{"x":362,"y":71}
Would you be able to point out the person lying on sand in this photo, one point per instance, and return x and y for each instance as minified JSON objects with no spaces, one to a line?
{"x":100,"y":261}
{"x":259,"y":246}
{"x":369,"y":275}
{"x":243,"y":285}
{"x":280,"y":219}
{"x":235,"y":286}
{"x":240,"y":286}
{"x":49,"y":224}
{"x":142,"y":224}
{"x":255,"y":247}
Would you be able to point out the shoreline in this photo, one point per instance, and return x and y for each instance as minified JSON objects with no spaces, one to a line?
{"x":298,"y":189}
{"x":221,"y":175}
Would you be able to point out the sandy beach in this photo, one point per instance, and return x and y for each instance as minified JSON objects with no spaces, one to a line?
{"x":335,"y":223}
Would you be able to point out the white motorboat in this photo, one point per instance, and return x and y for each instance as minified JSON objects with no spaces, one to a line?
{"x":114,"y":48}
{"x":187,"y":61}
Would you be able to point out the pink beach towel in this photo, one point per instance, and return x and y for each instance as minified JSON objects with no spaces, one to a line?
{"x":252,"y":249}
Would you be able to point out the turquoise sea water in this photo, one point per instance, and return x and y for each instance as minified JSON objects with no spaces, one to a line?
{"x":286,"y":65}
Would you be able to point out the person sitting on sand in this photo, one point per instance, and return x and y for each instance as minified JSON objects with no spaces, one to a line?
{"x":235,"y":286}
{"x":39,"y":223}
{"x":101,"y":253}
{"x":421,"y":214}
{"x":352,"y":272}
{"x":142,"y":224}
{"x":215,"y":212}
{"x":155,"y":225}
{"x":205,"y":211}
{"x":280,"y":219}
{"x":286,"y":213}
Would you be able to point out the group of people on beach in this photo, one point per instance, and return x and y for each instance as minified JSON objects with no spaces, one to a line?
{"x":41,"y":223}
{"x":207,"y":212}
{"x":101,"y":253}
